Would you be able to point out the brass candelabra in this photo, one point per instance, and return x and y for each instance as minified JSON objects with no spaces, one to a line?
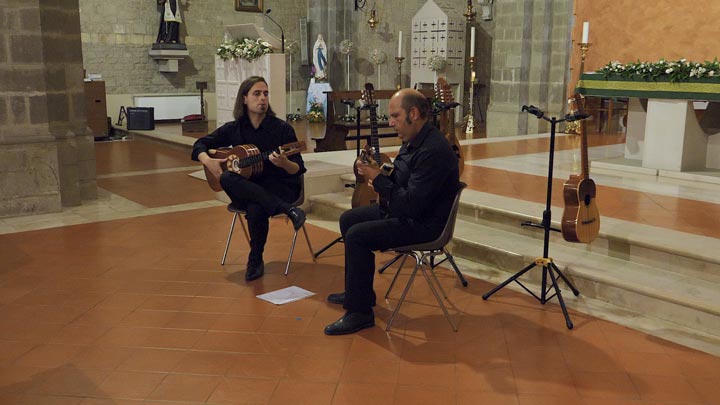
{"x":469,"y":118}
{"x":469,"y":12}
{"x":574,"y":126}
{"x":399,"y":60}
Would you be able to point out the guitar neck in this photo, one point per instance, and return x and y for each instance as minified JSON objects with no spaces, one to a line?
{"x":374,"y":138}
{"x":254,"y":159}
{"x":585,"y":174}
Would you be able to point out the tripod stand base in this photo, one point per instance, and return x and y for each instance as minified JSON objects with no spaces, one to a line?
{"x":549,"y":268}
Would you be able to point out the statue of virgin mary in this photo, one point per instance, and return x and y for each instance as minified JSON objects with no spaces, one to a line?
{"x":320,"y":58}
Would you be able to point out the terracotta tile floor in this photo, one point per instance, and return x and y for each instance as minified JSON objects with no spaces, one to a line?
{"x":139,"y":310}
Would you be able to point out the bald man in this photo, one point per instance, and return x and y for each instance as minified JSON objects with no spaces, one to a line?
{"x":416,"y":199}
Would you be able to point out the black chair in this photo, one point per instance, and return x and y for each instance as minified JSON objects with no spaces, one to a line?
{"x":238,"y":211}
{"x":424,"y":255}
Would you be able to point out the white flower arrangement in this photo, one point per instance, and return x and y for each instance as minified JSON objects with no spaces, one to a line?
{"x":246,"y":48}
{"x":378,"y":56}
{"x":677,"y":71}
{"x":436,"y":63}
{"x":346,"y":46}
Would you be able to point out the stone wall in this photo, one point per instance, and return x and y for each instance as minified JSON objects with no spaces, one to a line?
{"x":529,"y":64}
{"x":46,"y":155}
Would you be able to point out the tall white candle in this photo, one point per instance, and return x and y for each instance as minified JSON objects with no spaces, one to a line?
{"x":400,"y":45}
{"x":472,"y":42}
{"x":586,"y":32}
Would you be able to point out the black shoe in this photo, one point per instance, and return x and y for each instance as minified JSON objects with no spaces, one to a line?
{"x":351,"y":322}
{"x":339,"y":298}
{"x":297,"y":216}
{"x":254,"y":271}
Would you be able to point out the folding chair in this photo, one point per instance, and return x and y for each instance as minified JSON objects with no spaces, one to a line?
{"x":238,"y":211}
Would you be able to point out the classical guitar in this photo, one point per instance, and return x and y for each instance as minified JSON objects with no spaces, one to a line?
{"x":447,"y":119}
{"x":246,"y":160}
{"x":364,"y":194}
{"x":581,"y":218}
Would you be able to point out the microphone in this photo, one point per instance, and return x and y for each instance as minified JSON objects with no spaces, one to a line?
{"x":282,"y":32}
{"x":348,"y":102}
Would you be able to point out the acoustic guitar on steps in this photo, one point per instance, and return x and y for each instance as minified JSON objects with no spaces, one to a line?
{"x":447,"y":119}
{"x":581,"y":218}
{"x":364,"y":194}
{"x":246,"y":160}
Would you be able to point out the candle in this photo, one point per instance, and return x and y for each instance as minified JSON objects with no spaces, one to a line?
{"x":400,"y":44}
{"x":472,"y":42}
{"x":586,"y":32}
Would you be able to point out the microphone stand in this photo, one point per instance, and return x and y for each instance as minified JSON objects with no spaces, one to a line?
{"x":548,"y":266}
{"x":282,"y":32}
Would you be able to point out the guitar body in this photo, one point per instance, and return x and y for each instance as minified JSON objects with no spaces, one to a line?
{"x":364,"y":194}
{"x":447,"y":120}
{"x":245,"y":160}
{"x":581,"y":217}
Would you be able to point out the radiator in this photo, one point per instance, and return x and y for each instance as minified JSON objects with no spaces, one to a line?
{"x":170,"y":107}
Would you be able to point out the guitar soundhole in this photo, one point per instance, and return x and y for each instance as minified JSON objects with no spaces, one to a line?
{"x":233,"y":164}
{"x":587,"y":199}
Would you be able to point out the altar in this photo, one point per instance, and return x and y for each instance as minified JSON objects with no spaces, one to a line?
{"x":663,"y":132}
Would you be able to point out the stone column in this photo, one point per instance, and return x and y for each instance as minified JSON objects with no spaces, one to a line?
{"x":528,"y":64}
{"x":47,"y":158}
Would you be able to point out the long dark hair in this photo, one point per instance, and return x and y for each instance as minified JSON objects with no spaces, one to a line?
{"x":240,"y":109}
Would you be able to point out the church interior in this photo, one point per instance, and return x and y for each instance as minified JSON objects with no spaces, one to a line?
{"x":114,"y":285}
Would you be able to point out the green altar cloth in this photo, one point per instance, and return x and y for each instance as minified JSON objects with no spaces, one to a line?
{"x":594,"y":84}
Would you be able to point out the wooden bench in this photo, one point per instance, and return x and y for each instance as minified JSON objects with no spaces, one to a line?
{"x":338,"y":132}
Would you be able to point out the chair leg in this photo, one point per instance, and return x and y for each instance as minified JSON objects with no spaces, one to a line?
{"x":382,"y":269}
{"x":292,"y":249}
{"x":405,"y":291}
{"x":312,"y":252}
{"x":227,"y":244}
{"x":434,"y":276}
{"x":450,"y":258}
{"x":437,"y":297}
{"x":397,"y":273}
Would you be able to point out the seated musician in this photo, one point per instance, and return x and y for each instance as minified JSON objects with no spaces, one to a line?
{"x":270,"y":192}
{"x":415,"y":202}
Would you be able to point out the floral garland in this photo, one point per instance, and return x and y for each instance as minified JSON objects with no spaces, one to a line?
{"x":377,"y":56}
{"x":679,"y":71}
{"x":436,"y":63}
{"x":346,"y":46}
{"x":246,"y":48}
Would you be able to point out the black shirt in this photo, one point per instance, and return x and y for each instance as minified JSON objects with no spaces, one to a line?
{"x":425,"y":180}
{"x":272,"y":133}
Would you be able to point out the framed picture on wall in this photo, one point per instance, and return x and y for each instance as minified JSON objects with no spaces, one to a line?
{"x":253,"y":6}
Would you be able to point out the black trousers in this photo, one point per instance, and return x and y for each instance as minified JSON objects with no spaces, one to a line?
{"x":364,"y":230}
{"x":260,"y":198}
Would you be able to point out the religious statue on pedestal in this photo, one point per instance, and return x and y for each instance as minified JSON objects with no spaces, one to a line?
{"x":170,"y":20}
{"x":320,"y":59}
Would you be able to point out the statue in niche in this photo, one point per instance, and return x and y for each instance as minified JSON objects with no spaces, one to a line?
{"x":320,"y":59}
{"x":170,"y":20}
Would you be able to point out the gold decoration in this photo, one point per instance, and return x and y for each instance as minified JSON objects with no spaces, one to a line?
{"x":469,"y":12}
{"x":373,"y":21}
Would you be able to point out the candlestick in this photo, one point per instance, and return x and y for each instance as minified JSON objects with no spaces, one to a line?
{"x":469,"y":12}
{"x":399,"y":60}
{"x":583,"y":53}
{"x":399,"y":55}
{"x":469,"y":119}
{"x":586,"y":32}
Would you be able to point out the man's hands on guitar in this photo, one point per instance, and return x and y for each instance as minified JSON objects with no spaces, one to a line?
{"x":281,"y":160}
{"x":212,"y":164}
{"x":367,"y":170}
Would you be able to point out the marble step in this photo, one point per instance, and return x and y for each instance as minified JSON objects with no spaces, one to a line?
{"x":677,"y":252}
{"x":495,"y":247}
